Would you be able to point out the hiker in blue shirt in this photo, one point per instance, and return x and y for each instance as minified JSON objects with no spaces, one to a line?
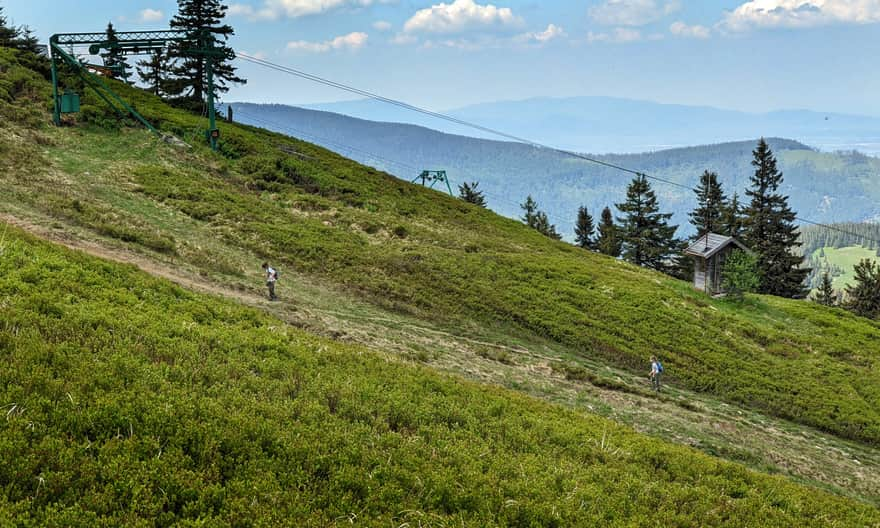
{"x":656,"y":373}
{"x":271,"y":278}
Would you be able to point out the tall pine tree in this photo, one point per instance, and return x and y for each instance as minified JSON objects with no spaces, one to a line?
{"x":530,"y":212}
{"x":863,"y":297}
{"x":731,"y":218}
{"x":709,"y":213}
{"x":8,"y":34}
{"x":770,"y":230}
{"x":113,"y":58}
{"x":584,"y":230}
{"x":190,"y":80}
{"x":153,"y":72}
{"x":27,"y":41}
{"x":608,"y":239}
{"x":647,"y":238}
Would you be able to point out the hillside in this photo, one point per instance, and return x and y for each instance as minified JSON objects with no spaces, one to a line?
{"x":418,"y":275}
{"x":839,"y":249}
{"x":612,"y":124}
{"x":823,"y":187}
{"x":130,"y":401}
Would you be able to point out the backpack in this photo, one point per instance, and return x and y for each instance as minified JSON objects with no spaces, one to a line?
{"x":659,"y":367}
{"x":276,"y":274}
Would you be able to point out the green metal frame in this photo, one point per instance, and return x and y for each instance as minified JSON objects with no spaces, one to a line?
{"x":132,"y":43}
{"x":433,"y":177}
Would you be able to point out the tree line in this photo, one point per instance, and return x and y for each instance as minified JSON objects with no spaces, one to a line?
{"x":764,"y":222}
{"x":641,"y":233}
{"x":846,"y":234}
{"x":17,"y":37}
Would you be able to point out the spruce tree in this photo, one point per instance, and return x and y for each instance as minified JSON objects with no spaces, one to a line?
{"x":530,"y":212}
{"x":538,"y":220}
{"x":708,"y":217}
{"x":113,"y":58}
{"x":863,"y":297}
{"x":469,"y":193}
{"x":608,"y":239}
{"x":770,"y":231}
{"x":153,"y":72}
{"x":190,"y":73}
{"x":825,"y":294}
{"x":8,"y":34}
{"x":584,"y":230}
{"x":647,"y":238}
{"x":543,"y":225}
{"x":27,"y":41}
{"x":731,"y":218}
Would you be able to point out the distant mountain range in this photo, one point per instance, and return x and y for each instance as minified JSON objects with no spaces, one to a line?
{"x":608,"y":124}
{"x":824,"y":187}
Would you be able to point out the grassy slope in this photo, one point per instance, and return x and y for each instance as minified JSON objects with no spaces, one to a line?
{"x":845,"y":258}
{"x":424,"y":253}
{"x":130,"y":401}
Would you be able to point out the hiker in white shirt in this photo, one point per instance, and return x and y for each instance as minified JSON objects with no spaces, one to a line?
{"x":656,"y":373}
{"x":271,"y":278}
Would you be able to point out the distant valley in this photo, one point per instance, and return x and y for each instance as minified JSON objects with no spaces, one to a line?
{"x":610,"y":124}
{"x":825,"y":187}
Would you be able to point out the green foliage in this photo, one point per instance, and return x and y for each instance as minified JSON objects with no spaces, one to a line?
{"x":647,"y":238}
{"x":538,"y":220}
{"x":841,"y":235}
{"x":309,"y":209}
{"x":608,"y":240}
{"x":8,"y":34}
{"x":839,"y":263}
{"x":471,"y":194}
{"x":740,"y":274}
{"x":584,"y":230}
{"x":770,"y":230}
{"x":114,"y":58}
{"x":732,"y":217}
{"x":708,"y":216}
{"x":863,"y":298}
{"x":23,"y":89}
{"x":826,"y":296}
{"x":189,"y":79}
{"x":113,"y":224}
{"x":129,"y":401}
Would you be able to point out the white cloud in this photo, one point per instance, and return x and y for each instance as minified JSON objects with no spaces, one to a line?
{"x":461,"y":16}
{"x":680,"y":29}
{"x":551,"y":33}
{"x":632,"y":12}
{"x":352,"y":41}
{"x":800,"y":14}
{"x":382,"y":25}
{"x":151,"y":15}
{"x":274,"y":9}
{"x":402,"y":39}
{"x":619,"y":35}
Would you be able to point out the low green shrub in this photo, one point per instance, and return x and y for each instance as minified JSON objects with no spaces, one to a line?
{"x":129,"y":401}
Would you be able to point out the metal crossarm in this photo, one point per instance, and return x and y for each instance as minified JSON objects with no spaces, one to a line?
{"x":175,"y":35}
{"x":430,"y":178}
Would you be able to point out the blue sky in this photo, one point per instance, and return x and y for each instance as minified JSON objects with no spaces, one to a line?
{"x":755,"y":55}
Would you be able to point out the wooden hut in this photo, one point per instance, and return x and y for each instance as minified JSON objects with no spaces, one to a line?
{"x":710,"y":253}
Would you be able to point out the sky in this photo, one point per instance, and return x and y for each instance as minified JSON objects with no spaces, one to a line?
{"x":755,"y":55}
